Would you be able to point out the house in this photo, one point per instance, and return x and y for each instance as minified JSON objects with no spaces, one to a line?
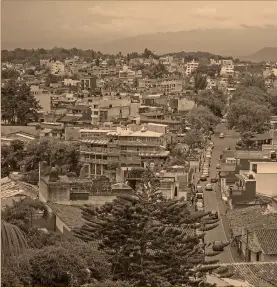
{"x":191,"y":66}
{"x":256,"y":274}
{"x":245,"y":220}
{"x":260,"y":244}
{"x":65,"y":218}
{"x":13,"y":190}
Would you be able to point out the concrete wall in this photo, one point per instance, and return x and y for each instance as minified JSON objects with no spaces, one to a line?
{"x":44,"y":101}
{"x":266,"y":184}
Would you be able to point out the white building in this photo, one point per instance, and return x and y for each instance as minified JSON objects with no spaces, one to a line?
{"x":191,"y":66}
{"x":70,"y":82}
{"x":227,"y":70}
{"x":57,"y":68}
{"x":215,"y":62}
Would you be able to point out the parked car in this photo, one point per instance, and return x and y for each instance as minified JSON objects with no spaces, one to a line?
{"x":218,"y":166}
{"x":209,"y":187}
{"x":212,"y":144}
{"x":214,"y":215}
{"x":218,"y":246}
{"x":221,"y":135}
{"x":203,"y":178}
{"x":199,"y":195}
{"x":199,"y":188}
{"x":214,"y":180}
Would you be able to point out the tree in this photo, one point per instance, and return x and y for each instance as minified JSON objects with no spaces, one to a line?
{"x":97,"y":62}
{"x":146,"y":237}
{"x":253,"y":80}
{"x":193,"y":138}
{"x":214,"y":100}
{"x":11,"y":156}
{"x":51,"y":79}
{"x":9,"y":74}
{"x":13,"y":241}
{"x":201,"y":118}
{"x":246,"y":115}
{"x":200,"y":82}
{"x":22,"y":213}
{"x":18,"y":104}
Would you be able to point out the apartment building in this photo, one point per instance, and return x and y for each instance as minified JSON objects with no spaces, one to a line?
{"x":121,"y":147}
{"x":126,"y":73}
{"x":170,"y":86}
{"x":57,"y":68}
{"x":191,"y":66}
{"x":113,"y":109}
{"x":227,"y":70}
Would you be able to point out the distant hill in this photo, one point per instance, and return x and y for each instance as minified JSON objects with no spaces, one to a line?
{"x":225,"y":42}
{"x":265,"y":54}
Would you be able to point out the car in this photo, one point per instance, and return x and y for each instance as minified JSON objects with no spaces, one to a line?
{"x":217,"y":246}
{"x":223,"y":120}
{"x":199,"y":195}
{"x":221,"y":135}
{"x":212,"y":144}
{"x":209,"y":137}
{"x":209,"y":187}
{"x":203,"y":178}
{"x":218,"y":166}
{"x":214,"y":180}
{"x":199,"y":209}
{"x":199,"y":188}
{"x":214,"y":214}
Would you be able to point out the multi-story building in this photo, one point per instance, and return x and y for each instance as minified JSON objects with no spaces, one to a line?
{"x":70,"y":82}
{"x":121,"y":147}
{"x":215,"y":62}
{"x":171,"y":86}
{"x":88,"y":82}
{"x":57,"y":68}
{"x":227,"y":70}
{"x":191,"y":66}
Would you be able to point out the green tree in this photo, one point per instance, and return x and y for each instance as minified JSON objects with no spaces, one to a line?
{"x":200,"y":82}
{"x":9,"y":74}
{"x":97,"y":62}
{"x":22,"y":213}
{"x":246,"y":115}
{"x":193,"y":138}
{"x":51,"y":79}
{"x":13,"y":242}
{"x":18,"y":104}
{"x":214,"y":100}
{"x":253,"y":80}
{"x":147,"y":237}
{"x":201,"y":118}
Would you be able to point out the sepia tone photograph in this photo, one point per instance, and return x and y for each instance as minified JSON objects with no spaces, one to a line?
{"x":138,"y":143}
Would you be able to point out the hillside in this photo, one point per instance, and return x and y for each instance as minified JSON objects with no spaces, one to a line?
{"x":265,"y":54}
{"x":224,"y":42}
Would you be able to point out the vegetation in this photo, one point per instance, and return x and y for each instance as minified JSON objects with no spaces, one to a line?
{"x":147,"y":237}
{"x":202,"y":118}
{"x":51,"y":153}
{"x":18,"y":105}
{"x":9,"y":74}
{"x":200,"y":82}
{"x":215,"y":100}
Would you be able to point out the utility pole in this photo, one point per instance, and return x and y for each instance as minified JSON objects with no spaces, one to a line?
{"x":246,"y":247}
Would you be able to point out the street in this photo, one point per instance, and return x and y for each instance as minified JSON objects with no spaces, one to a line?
{"x":213,"y":201}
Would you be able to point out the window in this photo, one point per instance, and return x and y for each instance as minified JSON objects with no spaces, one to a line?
{"x":258,"y":256}
{"x":254,"y":168}
{"x":95,"y":113}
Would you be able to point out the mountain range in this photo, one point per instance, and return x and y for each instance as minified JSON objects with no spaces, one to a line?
{"x":265,"y":54}
{"x":225,"y":42}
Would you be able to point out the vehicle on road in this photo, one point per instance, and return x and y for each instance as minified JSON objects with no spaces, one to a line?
{"x":199,"y":188}
{"x":214,"y":214}
{"x":218,"y":166}
{"x":218,"y":246}
{"x":199,"y":195}
{"x":211,"y":144}
{"x":203,"y":178}
{"x":221,"y":135}
{"x":209,"y":187}
{"x":199,"y":208}
{"x":223,"y":120}
{"x":214,"y":180}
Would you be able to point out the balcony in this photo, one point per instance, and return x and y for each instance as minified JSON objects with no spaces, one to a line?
{"x":93,"y":150}
{"x":95,"y":161}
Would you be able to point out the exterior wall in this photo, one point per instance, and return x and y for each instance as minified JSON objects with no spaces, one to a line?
{"x":185,"y":104}
{"x":43,"y":191}
{"x":44,"y":101}
{"x":269,"y":258}
{"x":266,"y":167}
{"x":266,"y":183}
{"x":72,"y":133}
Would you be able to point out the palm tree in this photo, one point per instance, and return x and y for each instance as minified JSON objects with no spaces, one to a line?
{"x":13,"y":241}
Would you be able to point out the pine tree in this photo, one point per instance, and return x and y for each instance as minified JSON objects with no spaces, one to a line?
{"x":151,"y":240}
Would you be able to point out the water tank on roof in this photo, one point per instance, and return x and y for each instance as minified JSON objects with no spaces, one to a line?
{"x":273,"y":155}
{"x":250,"y":176}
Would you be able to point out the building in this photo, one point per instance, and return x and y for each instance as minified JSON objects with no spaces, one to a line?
{"x":57,"y":68}
{"x":215,"y":62}
{"x":123,"y":146}
{"x":70,"y":82}
{"x":227,"y":70}
{"x":191,"y":66}
{"x":260,"y":245}
{"x":88,"y":82}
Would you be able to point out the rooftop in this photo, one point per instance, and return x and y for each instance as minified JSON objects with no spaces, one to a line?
{"x":252,"y":218}
{"x":70,"y":215}
{"x":267,"y":239}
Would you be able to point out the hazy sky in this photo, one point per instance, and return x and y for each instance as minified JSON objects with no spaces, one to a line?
{"x":48,"y":23}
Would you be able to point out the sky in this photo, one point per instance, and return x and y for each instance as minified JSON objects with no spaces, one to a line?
{"x":32,"y":24}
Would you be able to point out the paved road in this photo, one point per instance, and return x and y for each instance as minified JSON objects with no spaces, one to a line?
{"x":213,"y":201}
